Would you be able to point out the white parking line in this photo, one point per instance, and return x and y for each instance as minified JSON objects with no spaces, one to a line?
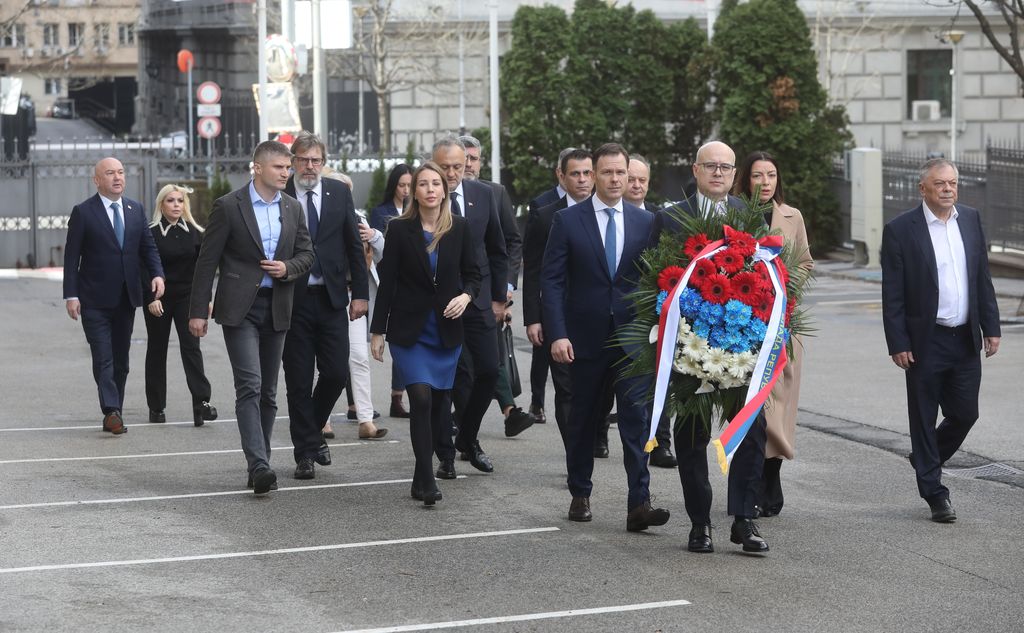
{"x":433,"y":626}
{"x":35,"y":460}
{"x":134,"y":425}
{"x":198,"y":495}
{"x":273,"y":552}
{"x":877,"y":300}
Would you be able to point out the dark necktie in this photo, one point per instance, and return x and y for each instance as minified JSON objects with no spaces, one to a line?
{"x":456,"y":209}
{"x":314,"y":226}
{"x":118,"y":224}
{"x":609,"y":242}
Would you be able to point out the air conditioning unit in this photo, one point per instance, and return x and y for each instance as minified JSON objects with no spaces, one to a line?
{"x":925,"y":110}
{"x":44,"y":51}
{"x":59,"y":51}
{"x":28,"y":52}
{"x":101,"y":50}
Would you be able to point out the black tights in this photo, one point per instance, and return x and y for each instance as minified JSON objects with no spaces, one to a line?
{"x":429,"y":417}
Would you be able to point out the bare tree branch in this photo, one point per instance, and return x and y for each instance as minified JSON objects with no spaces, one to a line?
{"x":1012,"y":12}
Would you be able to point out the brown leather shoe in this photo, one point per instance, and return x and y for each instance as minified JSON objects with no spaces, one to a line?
{"x":644,"y":516}
{"x":579,"y":509}
{"x":397,"y":408}
{"x":113,"y":423}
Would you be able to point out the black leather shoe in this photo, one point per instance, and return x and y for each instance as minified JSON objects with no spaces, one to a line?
{"x":744,"y":532}
{"x":353,"y":416}
{"x":942,"y":511}
{"x":517,"y":421}
{"x":700,"y":540}
{"x":323,"y":455}
{"x":157,"y":417}
{"x":644,"y":516}
{"x":663,"y":458}
{"x":305,"y":469}
{"x":203,"y":412}
{"x":446,"y":469}
{"x":428,"y":497}
{"x":262,"y":480}
{"x":601,"y":446}
{"x":538,"y":415}
{"x":248,"y":484}
{"x":579,"y":510}
{"x":478,"y":458}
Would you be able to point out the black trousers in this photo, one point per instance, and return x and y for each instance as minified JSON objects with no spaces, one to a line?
{"x":947,"y":377}
{"x":476,"y":375}
{"x":109,"y":334}
{"x":318,"y":339}
{"x":540,"y":360}
{"x":692,"y":438}
{"x":158,"y":330}
{"x":663,"y":434}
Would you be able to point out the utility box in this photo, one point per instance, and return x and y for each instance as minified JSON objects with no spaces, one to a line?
{"x":866,"y":205}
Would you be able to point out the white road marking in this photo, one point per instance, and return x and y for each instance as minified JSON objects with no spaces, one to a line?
{"x":198,"y":495}
{"x":35,"y":460}
{"x":571,"y":613}
{"x":877,"y":300}
{"x":134,"y":425}
{"x":273,"y":552}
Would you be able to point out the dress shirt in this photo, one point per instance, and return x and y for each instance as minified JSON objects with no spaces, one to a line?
{"x":951,"y":262}
{"x":268,"y":217}
{"x":110,"y":212}
{"x":706,"y":205}
{"x":461,"y":200}
{"x":561,"y":192}
{"x":300,"y":194}
{"x":601,"y":217}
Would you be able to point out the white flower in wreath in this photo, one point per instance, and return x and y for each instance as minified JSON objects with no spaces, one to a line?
{"x":748,"y":361}
{"x":694,"y":346}
{"x":684,"y":329}
{"x":686,"y":365}
{"x":714,"y":361}
{"x":737,"y":367}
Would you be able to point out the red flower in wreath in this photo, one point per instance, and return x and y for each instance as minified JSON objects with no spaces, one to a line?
{"x":701,"y":271}
{"x":730,"y":260}
{"x":746,"y":287}
{"x":762,"y":306}
{"x":716,"y":289}
{"x":744,"y":243}
{"x":668,"y":278}
{"x":695,"y":244}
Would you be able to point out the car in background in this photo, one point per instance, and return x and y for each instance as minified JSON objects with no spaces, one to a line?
{"x":174,"y":145}
{"x":63,"y":108}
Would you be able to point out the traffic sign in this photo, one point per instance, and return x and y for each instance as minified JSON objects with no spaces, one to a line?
{"x":209,"y":127}
{"x":208,"y":109}
{"x":208,"y":92}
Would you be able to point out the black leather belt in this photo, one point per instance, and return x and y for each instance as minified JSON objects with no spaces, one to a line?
{"x":316,"y":289}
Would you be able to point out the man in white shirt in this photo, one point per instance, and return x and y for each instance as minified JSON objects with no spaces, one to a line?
{"x":938,"y":309}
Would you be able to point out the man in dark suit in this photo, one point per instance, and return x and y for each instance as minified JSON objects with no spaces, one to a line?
{"x":590,"y":266}
{"x":714,"y":169}
{"x":556,"y":193}
{"x":318,"y":338}
{"x":478,"y":365}
{"x":938,"y":309}
{"x":108,"y":240}
{"x":258,"y":240}
{"x":577,"y":181}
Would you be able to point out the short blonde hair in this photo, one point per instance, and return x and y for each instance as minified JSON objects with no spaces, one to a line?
{"x":186,"y":213}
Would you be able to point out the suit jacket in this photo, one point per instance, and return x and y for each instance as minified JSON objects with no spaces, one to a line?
{"x":381,"y":215}
{"x":513,"y":241}
{"x":538,"y":226}
{"x":337,"y":245}
{"x":577,"y":292}
{"x":910,"y":286}
{"x":544,"y":199}
{"x":664,"y":219}
{"x":408,"y":290}
{"x":233,"y":244}
{"x":96,"y":266}
{"x":481,"y":211}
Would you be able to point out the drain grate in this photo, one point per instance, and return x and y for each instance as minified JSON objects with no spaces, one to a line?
{"x":986,"y":471}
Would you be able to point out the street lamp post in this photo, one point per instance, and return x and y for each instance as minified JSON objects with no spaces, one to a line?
{"x":360,"y":13}
{"x":954,"y":38}
{"x":495,"y":101}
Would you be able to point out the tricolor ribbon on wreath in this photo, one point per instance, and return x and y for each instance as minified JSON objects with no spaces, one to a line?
{"x":771,"y":358}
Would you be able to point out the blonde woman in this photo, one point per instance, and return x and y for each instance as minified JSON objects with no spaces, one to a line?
{"x":177,"y":238}
{"x":428,"y":275}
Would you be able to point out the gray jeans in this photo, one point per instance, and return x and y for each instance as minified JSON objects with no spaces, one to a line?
{"x":254,"y":349}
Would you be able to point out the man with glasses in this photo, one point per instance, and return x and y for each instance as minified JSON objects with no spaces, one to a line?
{"x":318,"y":338}
{"x":714,"y":170}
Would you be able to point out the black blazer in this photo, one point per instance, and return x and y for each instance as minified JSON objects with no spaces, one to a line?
{"x":910,"y":282}
{"x":488,"y":241}
{"x":408,"y":291}
{"x":337,"y":245}
{"x":513,"y":241}
{"x":664,"y":220}
{"x":538,"y":226}
{"x":544,"y":199}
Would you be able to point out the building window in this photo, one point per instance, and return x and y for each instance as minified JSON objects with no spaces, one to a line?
{"x":76,"y":32}
{"x":101,"y":36}
{"x":126,"y":34}
{"x":13,"y":36}
{"x":52,"y":86}
{"x":928,"y":80}
{"x":51,"y":34}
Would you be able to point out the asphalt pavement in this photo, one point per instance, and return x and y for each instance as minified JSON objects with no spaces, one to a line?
{"x":155,"y":531}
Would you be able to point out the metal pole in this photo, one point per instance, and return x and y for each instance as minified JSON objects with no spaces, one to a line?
{"x":191,"y":120}
{"x":952,"y":108}
{"x":288,"y":19}
{"x":319,"y":76}
{"x":495,"y":103}
{"x":462,"y":76}
{"x":362,"y":132}
{"x":261,"y":39}
{"x":712,"y":7}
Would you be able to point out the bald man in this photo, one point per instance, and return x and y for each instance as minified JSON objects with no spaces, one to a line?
{"x":108,"y":242}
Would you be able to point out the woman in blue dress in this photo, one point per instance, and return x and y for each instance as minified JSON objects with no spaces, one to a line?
{"x":428,"y":275}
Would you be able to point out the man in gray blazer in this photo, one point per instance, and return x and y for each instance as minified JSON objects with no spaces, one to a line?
{"x":258,"y":239}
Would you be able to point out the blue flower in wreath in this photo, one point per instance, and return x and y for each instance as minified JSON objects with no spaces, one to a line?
{"x":701,"y":328}
{"x":737,"y":313}
{"x":661,"y":300}
{"x":755,"y":330}
{"x":710,"y":312}
{"x":690,"y":303}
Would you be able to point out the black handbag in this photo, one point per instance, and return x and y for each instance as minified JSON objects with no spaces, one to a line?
{"x":511,"y":367}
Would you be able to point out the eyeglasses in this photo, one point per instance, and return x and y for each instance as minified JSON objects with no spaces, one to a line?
{"x":312,"y":162}
{"x":711,"y":168}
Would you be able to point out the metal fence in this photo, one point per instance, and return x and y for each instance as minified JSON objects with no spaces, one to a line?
{"x":994,"y":185}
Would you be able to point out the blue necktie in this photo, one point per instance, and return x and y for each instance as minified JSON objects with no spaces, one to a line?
{"x":118,"y":224}
{"x":456,"y":209}
{"x":314,"y":226}
{"x":609,"y":242}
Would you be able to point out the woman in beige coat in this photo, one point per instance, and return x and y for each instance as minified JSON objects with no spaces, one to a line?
{"x":760,"y":173}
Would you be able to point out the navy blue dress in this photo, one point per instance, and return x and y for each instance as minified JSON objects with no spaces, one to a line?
{"x":428,"y":361}
{"x":380,"y":215}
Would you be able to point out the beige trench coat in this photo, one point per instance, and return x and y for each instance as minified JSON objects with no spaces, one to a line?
{"x":780,"y":412}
